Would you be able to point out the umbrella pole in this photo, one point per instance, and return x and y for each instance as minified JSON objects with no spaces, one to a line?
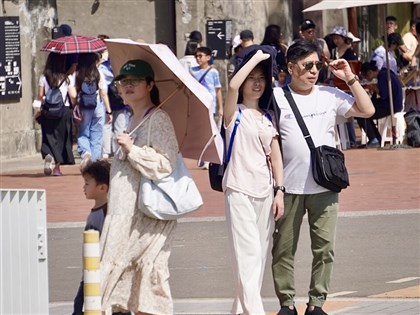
{"x":388,"y":74}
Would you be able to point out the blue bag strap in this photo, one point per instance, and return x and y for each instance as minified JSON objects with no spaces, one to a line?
{"x":267,"y":114}
{"x":237,"y":120}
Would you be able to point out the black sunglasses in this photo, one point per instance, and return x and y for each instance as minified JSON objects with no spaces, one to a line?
{"x":310,"y":64}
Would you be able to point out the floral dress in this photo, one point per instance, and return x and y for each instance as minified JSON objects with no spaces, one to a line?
{"x":136,"y":248}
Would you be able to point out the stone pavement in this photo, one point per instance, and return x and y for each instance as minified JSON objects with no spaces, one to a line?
{"x":381,"y":180}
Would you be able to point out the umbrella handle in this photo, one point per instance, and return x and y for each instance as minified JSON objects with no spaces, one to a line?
{"x":178,"y":88}
{"x":157,"y":107}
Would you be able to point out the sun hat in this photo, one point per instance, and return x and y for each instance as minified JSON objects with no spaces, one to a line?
{"x":137,"y":68}
{"x":353,"y":38}
{"x":340,"y":30}
{"x":307,"y":24}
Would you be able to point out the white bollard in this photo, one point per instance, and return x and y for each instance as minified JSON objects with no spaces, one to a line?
{"x":91,"y":273}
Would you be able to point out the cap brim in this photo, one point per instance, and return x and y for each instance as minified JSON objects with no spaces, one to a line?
{"x":119,"y":77}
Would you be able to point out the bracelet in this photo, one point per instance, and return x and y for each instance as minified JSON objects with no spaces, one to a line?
{"x":277,"y":188}
{"x":109,"y":113}
{"x":351,"y":82}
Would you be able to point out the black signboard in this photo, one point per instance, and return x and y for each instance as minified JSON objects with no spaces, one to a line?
{"x":219,"y":37}
{"x":10,"y":75}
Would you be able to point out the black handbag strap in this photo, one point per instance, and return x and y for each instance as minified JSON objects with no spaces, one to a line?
{"x":202,"y":77}
{"x":299,"y":118}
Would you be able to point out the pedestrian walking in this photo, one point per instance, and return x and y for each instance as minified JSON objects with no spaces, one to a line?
{"x":254,"y":169}
{"x":56,"y":147}
{"x":89,"y":85}
{"x":135,"y":247}
{"x":319,"y":107}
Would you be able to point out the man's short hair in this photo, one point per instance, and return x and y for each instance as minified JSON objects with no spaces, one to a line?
{"x":98,"y":170}
{"x":246,"y":35}
{"x":390,"y":18}
{"x":307,"y":24}
{"x":301,"y":49}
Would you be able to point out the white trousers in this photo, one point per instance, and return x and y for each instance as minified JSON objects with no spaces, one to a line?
{"x":250,"y":224}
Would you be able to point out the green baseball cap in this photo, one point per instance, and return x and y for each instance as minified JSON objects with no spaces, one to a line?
{"x":137,"y":68}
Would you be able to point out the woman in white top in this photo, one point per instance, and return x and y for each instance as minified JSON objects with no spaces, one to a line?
{"x":254,"y":169}
{"x":56,"y":133}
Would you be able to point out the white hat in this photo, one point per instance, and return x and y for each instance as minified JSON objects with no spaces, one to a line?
{"x":353,"y":38}
{"x":236,"y":41}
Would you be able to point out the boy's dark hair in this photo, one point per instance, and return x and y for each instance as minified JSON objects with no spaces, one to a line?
{"x":99,"y":171}
{"x":301,"y":49}
{"x":204,"y":50}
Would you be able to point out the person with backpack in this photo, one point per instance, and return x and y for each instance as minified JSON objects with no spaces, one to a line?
{"x":55,"y":92}
{"x":89,"y":85}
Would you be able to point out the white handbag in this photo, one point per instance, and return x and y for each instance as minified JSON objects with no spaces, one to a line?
{"x":170,"y":197}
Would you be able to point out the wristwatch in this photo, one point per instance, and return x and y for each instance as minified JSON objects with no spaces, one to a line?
{"x":277,"y":188}
{"x":351,"y":82}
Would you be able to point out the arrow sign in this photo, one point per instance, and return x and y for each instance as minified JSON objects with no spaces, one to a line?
{"x":219,"y":37}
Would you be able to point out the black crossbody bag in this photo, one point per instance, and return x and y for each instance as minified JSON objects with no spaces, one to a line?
{"x":328,"y":165}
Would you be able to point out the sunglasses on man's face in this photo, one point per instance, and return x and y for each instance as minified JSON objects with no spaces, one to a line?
{"x":310,"y":64}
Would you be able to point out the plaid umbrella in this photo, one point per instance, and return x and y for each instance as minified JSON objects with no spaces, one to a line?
{"x":74,"y":44}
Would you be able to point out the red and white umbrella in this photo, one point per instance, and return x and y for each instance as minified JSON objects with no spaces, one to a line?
{"x":74,"y":44}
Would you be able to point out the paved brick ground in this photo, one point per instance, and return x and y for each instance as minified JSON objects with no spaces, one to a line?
{"x":380,"y":180}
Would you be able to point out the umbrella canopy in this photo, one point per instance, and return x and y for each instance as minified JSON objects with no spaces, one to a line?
{"x":74,"y":44}
{"x":188,"y":102}
{"x":343,"y":4}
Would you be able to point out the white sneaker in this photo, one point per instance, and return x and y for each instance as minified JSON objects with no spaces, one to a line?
{"x":85,"y":160}
{"x":48,"y":165}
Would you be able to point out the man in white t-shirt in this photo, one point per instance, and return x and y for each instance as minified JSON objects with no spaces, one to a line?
{"x":319,"y":107}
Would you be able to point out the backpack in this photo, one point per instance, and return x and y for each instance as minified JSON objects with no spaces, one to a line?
{"x":87,"y":95}
{"x":53,"y":103}
{"x":412,"y":119}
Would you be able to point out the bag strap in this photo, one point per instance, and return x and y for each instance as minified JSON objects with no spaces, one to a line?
{"x":299,"y":118}
{"x":232,"y":138}
{"x":207,"y":71}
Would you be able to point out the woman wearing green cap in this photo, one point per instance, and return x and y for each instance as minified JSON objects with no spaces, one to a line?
{"x":136,"y":248}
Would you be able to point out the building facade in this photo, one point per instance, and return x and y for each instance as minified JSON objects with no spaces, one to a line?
{"x":153,"y":21}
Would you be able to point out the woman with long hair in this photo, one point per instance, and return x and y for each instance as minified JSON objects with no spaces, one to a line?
{"x":136,"y":248}
{"x":255,"y":168}
{"x":57,"y":141}
{"x":90,"y":135}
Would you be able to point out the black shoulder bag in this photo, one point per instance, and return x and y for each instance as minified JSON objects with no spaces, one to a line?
{"x":328,"y":167}
{"x":216,"y":171}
